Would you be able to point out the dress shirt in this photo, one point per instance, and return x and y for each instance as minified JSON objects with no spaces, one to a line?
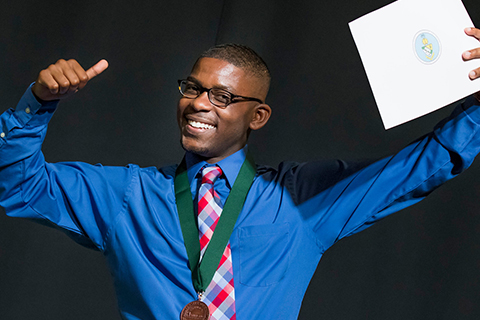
{"x":292,"y":214}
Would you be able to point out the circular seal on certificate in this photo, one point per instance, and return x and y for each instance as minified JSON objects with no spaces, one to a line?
{"x":427,"y":47}
{"x":195,"y":310}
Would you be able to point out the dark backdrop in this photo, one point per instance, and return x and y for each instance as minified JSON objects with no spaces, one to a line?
{"x":422,"y":263}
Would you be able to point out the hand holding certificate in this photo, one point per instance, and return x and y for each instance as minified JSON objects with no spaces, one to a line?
{"x":423,"y":61}
{"x":473,"y":54}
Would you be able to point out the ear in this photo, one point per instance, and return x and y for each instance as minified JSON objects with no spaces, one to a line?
{"x":261,"y":115}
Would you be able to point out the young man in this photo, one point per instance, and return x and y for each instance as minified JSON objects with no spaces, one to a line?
{"x":275,"y":224}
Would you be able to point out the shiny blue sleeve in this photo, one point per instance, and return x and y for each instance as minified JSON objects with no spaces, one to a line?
{"x":80,"y":199}
{"x":337,"y":199}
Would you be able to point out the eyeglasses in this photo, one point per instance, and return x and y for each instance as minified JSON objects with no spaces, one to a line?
{"x":218,"y":97}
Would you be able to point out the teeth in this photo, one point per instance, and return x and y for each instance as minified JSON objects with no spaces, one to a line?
{"x":200,"y":125}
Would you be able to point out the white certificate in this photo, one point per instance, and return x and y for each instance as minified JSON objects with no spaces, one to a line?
{"x":412,"y":54}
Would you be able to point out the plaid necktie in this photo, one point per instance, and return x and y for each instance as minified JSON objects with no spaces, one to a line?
{"x":219,"y":295}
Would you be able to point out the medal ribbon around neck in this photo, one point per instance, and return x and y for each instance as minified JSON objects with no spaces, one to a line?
{"x":202,"y":274}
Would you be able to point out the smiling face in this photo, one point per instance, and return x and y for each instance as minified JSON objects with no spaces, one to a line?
{"x":212,"y":132}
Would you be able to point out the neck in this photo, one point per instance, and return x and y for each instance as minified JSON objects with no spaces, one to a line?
{"x":215,"y":159}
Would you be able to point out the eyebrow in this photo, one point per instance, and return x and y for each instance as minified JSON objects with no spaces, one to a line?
{"x":226,"y":88}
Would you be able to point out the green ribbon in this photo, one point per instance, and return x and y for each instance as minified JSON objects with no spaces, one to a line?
{"x":202,"y":273}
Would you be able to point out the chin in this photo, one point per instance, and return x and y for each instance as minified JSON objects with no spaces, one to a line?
{"x":198,"y":150}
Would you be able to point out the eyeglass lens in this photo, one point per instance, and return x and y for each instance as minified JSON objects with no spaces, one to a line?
{"x":218,"y":97}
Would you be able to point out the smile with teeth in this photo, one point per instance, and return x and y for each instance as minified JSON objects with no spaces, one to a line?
{"x":200,"y":125}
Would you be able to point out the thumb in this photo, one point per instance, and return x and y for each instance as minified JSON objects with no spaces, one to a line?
{"x":97,"y":69}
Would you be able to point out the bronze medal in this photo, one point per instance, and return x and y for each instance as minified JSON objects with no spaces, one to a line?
{"x":195,"y":310}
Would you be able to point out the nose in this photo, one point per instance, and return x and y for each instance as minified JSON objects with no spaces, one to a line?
{"x":202,"y":103}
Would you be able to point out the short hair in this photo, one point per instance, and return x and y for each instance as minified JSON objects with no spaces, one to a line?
{"x":241,"y":57}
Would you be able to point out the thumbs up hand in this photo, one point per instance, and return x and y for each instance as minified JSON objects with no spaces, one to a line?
{"x":64,"y":78}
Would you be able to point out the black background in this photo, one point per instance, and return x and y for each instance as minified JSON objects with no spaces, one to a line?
{"x":422,"y":263}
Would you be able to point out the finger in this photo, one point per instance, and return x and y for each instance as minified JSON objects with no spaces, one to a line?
{"x":471,"y":54}
{"x":80,"y":72}
{"x":474,"y":32}
{"x":61,"y":81}
{"x":64,"y":75}
{"x":474,"y":74}
{"x":46,"y":79}
{"x":58,"y":73}
{"x":97,"y":69}
{"x":72,"y":77}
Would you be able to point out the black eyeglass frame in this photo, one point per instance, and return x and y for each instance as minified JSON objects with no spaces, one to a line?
{"x":210,"y":98}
